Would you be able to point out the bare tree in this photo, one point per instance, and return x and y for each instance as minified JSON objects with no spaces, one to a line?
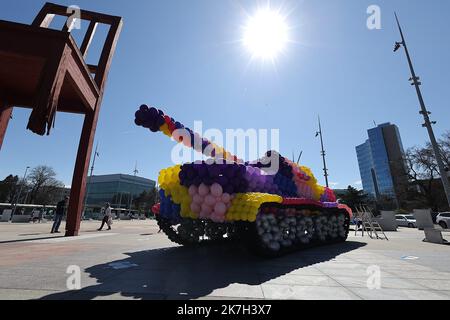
{"x":423,"y":171}
{"x":43,"y":184}
{"x":8,"y":188}
{"x":444,"y":144}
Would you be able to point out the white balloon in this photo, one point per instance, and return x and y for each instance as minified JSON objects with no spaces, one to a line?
{"x":274,"y":246}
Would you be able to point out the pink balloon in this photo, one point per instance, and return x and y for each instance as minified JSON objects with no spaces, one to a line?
{"x":216,"y":190}
{"x":203,"y":190}
{"x":210,"y":200}
{"x":187,"y":142}
{"x":207,"y":209}
{"x":217,"y":217}
{"x":195,"y":207}
{"x":203,"y":214}
{"x":198,"y":199}
{"x":226,"y":198}
{"x":193,"y":190}
{"x":220,"y":208}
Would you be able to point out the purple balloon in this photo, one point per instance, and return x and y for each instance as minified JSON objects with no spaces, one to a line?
{"x":202,"y":170}
{"x":229,"y":189}
{"x":223,"y":181}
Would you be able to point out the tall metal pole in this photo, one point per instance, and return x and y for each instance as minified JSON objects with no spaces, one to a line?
{"x":325,"y":170}
{"x":426,"y":115}
{"x":299,"y":157}
{"x":129,"y":204}
{"x":20,"y":192}
{"x":90,"y":178}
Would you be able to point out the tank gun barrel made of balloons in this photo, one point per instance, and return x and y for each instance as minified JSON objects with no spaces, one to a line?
{"x":156,"y":121}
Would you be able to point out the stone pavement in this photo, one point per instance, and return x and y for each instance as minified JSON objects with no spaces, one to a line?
{"x":133,"y":261}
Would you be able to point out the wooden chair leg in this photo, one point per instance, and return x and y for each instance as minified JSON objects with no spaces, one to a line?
{"x":42,"y":116}
{"x":79,"y":179}
{"x":5,"y":115}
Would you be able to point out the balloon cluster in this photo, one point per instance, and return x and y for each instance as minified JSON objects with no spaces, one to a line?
{"x":328,"y":196}
{"x":281,"y":228}
{"x":245,"y":206}
{"x":289,"y":179}
{"x":155,"y":120}
{"x":168,"y":209}
{"x":170,"y":183}
{"x":225,"y":191}
{"x":231,"y":177}
{"x":210,"y":202}
{"x":259,"y":181}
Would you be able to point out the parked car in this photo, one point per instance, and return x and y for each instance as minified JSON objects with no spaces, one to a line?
{"x":443,"y":219}
{"x":406,"y":220}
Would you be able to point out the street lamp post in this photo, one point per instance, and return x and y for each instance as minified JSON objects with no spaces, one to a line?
{"x":20,"y":192}
{"x":90,"y":180}
{"x":426,"y":114}
{"x":130,"y":200}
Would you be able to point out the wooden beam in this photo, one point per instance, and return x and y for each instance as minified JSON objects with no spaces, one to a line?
{"x":107,"y":54}
{"x":88,"y":38}
{"x":42,"y":116}
{"x":79,"y":178}
{"x":44,"y":17}
{"x":69,"y":24}
{"x":85,"y":15}
{"x":92,"y":69}
{"x":5,"y":115}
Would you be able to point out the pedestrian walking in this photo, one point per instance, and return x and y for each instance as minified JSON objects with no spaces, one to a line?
{"x":107,"y":217}
{"x":59,"y":214}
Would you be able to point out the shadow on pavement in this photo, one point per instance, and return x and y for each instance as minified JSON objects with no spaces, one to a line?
{"x":194,"y":272}
{"x":31,"y":239}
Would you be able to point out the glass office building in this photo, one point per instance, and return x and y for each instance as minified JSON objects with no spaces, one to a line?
{"x":116,"y":189}
{"x":381,"y":163}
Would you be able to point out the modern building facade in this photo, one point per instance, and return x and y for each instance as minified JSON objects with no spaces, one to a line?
{"x":381,"y":162}
{"x":116,"y":189}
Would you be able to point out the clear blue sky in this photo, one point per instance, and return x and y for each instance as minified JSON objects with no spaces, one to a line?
{"x":185,"y":57}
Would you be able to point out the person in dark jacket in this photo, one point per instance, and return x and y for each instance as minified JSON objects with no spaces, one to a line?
{"x":59,"y":214}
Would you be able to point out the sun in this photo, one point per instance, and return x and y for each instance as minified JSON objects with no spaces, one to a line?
{"x":266,"y":34}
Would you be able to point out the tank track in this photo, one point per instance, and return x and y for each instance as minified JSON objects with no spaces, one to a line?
{"x":278,"y":230}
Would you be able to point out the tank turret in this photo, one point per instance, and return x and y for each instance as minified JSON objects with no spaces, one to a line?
{"x":272,"y":204}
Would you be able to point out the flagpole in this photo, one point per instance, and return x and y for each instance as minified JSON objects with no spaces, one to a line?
{"x":90,"y":177}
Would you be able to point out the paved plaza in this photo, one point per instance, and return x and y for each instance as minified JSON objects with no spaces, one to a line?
{"x":134,"y":261}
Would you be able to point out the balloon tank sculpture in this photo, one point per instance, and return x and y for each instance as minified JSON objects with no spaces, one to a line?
{"x":224,"y":198}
